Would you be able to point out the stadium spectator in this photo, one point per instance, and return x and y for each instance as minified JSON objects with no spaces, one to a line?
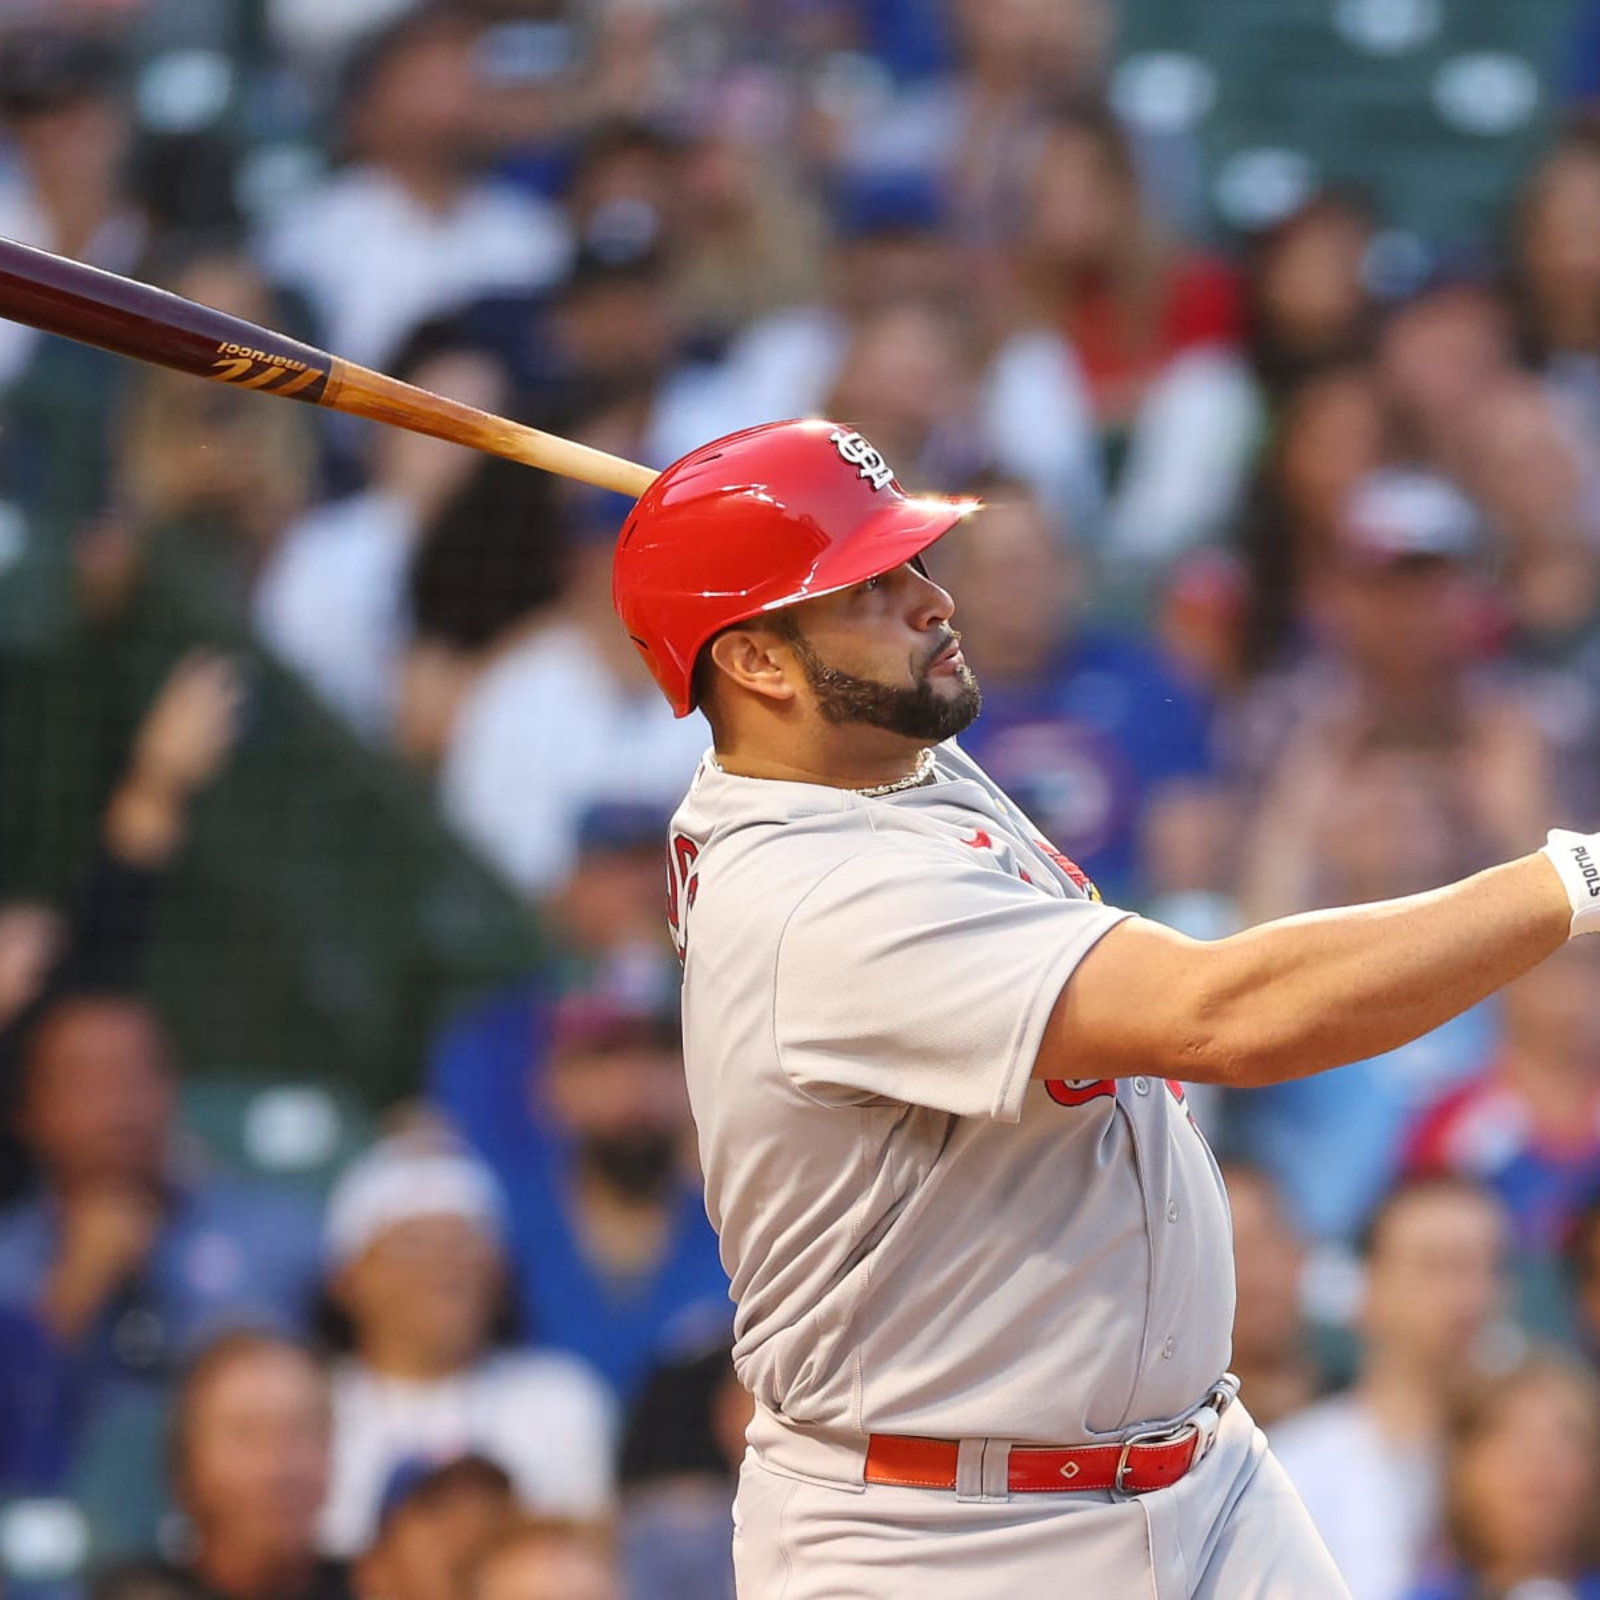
{"x":1529,"y":1126}
{"x":1397,"y":700}
{"x":1308,"y":306}
{"x":130,"y":1260}
{"x":1272,"y":1351}
{"x":614,"y":1258}
{"x":1537,"y":477}
{"x":415,"y":1256}
{"x":179,"y":746}
{"x":249,"y":1467}
{"x":1556,"y":269}
{"x":481,"y":580}
{"x":679,"y":1465}
{"x":1522,"y":1473}
{"x":893,"y":271}
{"x":607,"y":933}
{"x":1368,"y":1462}
{"x":750,"y":237}
{"x":211,"y":480}
{"x":1437,"y":353}
{"x":1329,"y":436}
{"x":972,"y":129}
{"x":545,"y":1559}
{"x":1399,"y":765}
{"x":1156,"y":328}
{"x":408,"y":230}
{"x":433,"y":1518}
{"x":567,"y":710}
{"x":1091,"y":730}
{"x":66,"y":119}
{"x":332,"y":597}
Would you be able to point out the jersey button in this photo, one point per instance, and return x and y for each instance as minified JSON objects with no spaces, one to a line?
{"x":1141,"y":1086}
{"x":1168,"y":1348}
{"x":1172,"y":1211}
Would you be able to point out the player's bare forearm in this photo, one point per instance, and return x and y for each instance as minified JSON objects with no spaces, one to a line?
{"x":1299,"y":995}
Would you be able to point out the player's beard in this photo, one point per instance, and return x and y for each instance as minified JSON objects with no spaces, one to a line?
{"x":919,"y":712}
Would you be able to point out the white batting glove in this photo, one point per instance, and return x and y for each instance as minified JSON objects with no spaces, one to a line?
{"x":1577,"y":858}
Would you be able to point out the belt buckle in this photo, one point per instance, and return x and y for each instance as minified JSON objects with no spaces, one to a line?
{"x":1204,"y":1421}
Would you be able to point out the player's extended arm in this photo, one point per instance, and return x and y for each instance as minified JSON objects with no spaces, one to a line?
{"x":1296,"y":996}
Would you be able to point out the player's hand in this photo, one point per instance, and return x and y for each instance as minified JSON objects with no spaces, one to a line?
{"x":1576,"y":857}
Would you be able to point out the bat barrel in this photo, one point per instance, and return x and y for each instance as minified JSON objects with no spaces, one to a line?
{"x":142,"y":322}
{"x":148,"y":324}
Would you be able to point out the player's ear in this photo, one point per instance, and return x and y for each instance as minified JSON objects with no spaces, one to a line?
{"x":756,"y":659}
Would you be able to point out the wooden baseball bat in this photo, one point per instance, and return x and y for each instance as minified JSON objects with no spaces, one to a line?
{"x":134,"y":319}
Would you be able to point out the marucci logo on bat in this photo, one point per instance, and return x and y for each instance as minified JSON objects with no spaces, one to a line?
{"x":259,"y":369}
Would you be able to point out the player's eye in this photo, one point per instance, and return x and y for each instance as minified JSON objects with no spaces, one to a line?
{"x":870,"y":585}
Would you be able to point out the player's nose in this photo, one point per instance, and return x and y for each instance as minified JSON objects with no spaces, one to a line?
{"x":932,"y":602}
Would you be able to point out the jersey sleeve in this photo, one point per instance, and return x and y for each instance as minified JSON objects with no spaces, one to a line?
{"x":909,"y":976}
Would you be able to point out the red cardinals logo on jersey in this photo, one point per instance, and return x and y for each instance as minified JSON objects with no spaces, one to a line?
{"x":1070,"y":867}
{"x":1079,"y":1091}
{"x":683,"y":883}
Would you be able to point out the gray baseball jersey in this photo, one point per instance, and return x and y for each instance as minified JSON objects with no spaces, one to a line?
{"x":922,"y":1238}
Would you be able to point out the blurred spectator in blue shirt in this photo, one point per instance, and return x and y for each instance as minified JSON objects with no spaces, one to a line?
{"x":1092,"y":732}
{"x":248,"y":1468}
{"x":1400,"y":765}
{"x":1522,"y":1473}
{"x":129,"y":1259}
{"x":609,"y":931}
{"x":613,"y":1253}
{"x":33,"y":1422}
{"x":1529,"y":1125}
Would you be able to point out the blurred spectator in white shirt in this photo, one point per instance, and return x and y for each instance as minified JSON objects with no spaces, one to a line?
{"x":1368,"y":1463}
{"x":415,"y":1238}
{"x":332,"y":598}
{"x":408,"y":230}
{"x":563,"y":718}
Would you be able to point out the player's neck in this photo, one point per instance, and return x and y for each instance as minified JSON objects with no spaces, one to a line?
{"x":835,"y":763}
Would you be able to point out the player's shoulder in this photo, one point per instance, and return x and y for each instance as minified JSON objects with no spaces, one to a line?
{"x":755,"y":844}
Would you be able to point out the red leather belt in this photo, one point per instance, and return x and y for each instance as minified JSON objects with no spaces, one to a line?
{"x":1137,"y":1465}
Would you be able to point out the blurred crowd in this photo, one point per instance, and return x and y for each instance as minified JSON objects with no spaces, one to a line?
{"x":1287,"y":596}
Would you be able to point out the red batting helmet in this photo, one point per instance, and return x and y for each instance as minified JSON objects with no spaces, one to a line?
{"x":758,"y":520}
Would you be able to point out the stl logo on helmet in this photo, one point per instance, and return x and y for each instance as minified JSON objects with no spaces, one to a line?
{"x":869,"y":464}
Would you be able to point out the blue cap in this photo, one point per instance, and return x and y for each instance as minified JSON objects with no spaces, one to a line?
{"x":868,"y":203}
{"x":417,"y":1474}
{"x":617,"y":825}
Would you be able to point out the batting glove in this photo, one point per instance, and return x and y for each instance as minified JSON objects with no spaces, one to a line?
{"x":1577,"y":858}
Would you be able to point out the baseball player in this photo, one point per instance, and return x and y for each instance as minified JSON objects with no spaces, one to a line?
{"x":979,"y":1250}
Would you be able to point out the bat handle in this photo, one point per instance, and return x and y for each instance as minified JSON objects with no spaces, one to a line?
{"x":366,"y":393}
